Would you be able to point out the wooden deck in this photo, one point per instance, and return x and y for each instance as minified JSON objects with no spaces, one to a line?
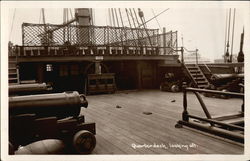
{"x":127,"y":130}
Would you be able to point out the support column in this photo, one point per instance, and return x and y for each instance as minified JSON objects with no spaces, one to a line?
{"x":98,"y":68}
{"x":164,"y":41}
{"x":40,"y":73}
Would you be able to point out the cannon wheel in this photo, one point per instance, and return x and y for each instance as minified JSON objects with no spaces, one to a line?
{"x":84,"y":142}
{"x":175,"y":88}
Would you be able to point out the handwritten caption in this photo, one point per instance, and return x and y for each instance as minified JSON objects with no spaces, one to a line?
{"x":165,"y":146}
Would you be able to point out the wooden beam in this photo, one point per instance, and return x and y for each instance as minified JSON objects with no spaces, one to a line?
{"x":171,"y":58}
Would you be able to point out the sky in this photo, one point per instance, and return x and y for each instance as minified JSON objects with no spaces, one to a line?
{"x":201,"y":25}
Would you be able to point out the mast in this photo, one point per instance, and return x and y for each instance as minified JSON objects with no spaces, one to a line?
{"x":240,"y":57}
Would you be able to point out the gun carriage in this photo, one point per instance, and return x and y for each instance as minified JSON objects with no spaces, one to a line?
{"x":51,"y":116}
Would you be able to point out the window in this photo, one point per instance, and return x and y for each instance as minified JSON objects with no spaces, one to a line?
{"x":49,"y":67}
{"x":63,"y":70}
{"x":92,"y":82}
{"x":74,"y":69}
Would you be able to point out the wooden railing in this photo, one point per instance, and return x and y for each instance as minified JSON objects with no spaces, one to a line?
{"x":44,"y":51}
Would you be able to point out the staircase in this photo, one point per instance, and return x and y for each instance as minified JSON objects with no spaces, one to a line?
{"x":13,"y":71}
{"x":195,"y":73}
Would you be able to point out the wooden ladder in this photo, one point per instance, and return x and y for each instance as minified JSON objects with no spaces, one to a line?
{"x":197,"y":76}
{"x":13,"y":71}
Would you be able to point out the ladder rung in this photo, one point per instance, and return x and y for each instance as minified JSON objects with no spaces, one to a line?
{"x":202,"y":82}
{"x":199,"y":78}
{"x":11,"y":68}
{"x":12,"y":78}
{"x":12,"y":73}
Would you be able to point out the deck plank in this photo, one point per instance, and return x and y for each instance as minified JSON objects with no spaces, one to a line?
{"x":118,"y":128}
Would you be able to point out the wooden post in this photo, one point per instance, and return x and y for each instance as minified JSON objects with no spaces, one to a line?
{"x":182,"y":55}
{"x":196,"y":56}
{"x":98,"y":69}
{"x":164,"y":41}
{"x":40,"y":72}
{"x":185,"y":112}
{"x":203,"y":105}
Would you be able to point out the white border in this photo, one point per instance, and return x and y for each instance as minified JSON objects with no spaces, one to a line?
{"x":5,"y":6}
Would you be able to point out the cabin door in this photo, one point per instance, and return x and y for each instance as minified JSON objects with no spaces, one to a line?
{"x":147,"y":76}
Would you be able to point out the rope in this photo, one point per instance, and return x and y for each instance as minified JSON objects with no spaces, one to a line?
{"x":113,"y":17}
{"x":229,"y":27}
{"x":130,"y":24}
{"x":116,"y":17}
{"x":144,"y":25}
{"x":121,"y":17}
{"x":135,"y":25}
{"x":118,"y":26}
{"x":156,"y":19}
{"x":226,"y":34}
{"x":138,"y":22}
{"x":40,"y":16}
{"x":13,"y":18}
{"x":125,"y":34}
{"x":231,"y":57}
{"x":109,"y":13}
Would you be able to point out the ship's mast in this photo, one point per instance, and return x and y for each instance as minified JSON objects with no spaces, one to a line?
{"x":240,"y":57}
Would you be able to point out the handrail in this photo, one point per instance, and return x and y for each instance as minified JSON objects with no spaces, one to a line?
{"x":216,"y":92}
{"x":24,"y":51}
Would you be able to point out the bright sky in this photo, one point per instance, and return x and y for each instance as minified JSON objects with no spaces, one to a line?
{"x":202,"y":24}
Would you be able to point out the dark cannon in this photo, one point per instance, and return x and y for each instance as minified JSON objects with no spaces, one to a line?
{"x":226,"y":82}
{"x":45,"y":105}
{"x":34,"y":88}
{"x":34,"y":118}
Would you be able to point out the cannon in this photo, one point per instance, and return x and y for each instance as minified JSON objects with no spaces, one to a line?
{"x":57,"y":116}
{"x":219,"y":77}
{"x":45,"y":105}
{"x":225,"y":82}
{"x":24,"y":89}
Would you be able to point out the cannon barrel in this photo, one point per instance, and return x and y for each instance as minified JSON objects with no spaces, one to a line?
{"x":29,"y":88}
{"x":226,"y":76}
{"x":61,"y":105}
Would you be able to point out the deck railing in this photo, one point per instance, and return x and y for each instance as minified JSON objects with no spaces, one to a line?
{"x":56,"y":35}
{"x":39,"y":51}
{"x":39,"y":40}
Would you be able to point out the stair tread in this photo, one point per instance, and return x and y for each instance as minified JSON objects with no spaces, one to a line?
{"x":12,"y":68}
{"x":202,"y":83}
{"x":12,"y":73}
{"x":199,"y":78}
{"x":12,"y":78}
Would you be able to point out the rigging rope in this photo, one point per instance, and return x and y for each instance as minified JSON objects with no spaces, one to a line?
{"x":13,"y":18}
{"x":156,"y":19}
{"x":119,"y":26}
{"x":116,"y":17}
{"x":225,"y":47}
{"x":40,"y":16}
{"x":138,"y":23}
{"x":137,"y":32}
{"x":109,"y":13}
{"x":231,"y":57}
{"x":113,"y":17}
{"x":141,"y":15}
{"x":130,"y":24}
{"x":121,"y":17}
{"x":125,"y":31}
